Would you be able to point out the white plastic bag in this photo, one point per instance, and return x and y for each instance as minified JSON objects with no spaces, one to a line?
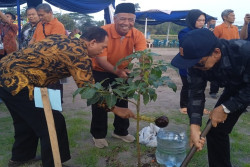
{"x":148,"y":135}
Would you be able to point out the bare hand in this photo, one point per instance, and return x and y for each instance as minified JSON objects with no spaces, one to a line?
{"x":218,"y":116}
{"x":195,"y":138}
{"x":211,"y":29}
{"x":122,"y":73}
{"x":123,"y":112}
{"x":247,"y":18}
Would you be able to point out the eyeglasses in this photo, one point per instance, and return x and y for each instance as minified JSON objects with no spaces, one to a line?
{"x":123,"y":19}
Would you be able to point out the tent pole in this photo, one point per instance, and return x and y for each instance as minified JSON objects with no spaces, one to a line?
{"x":146,"y":24}
{"x":168,"y":33}
{"x":19,"y":19}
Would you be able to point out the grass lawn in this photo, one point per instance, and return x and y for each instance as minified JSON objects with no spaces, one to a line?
{"x":119,"y":153}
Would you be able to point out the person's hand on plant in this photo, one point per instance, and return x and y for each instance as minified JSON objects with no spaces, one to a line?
{"x":123,"y":112}
{"x":218,"y":116}
{"x":122,"y":73}
{"x":195,"y":137}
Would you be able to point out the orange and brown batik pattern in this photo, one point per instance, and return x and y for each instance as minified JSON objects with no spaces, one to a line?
{"x":46,"y":62}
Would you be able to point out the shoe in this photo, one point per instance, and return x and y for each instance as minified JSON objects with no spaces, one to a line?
{"x":213,"y":95}
{"x":100,"y":143}
{"x":21,"y":163}
{"x":129,"y":138}
{"x":183,"y":110}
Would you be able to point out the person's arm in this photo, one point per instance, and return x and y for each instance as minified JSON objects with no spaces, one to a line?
{"x":123,"y":112}
{"x":244,"y":29}
{"x":4,"y":18}
{"x":103,"y":62}
{"x":195,"y":106}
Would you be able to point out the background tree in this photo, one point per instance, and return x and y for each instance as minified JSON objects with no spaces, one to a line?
{"x":160,"y":29}
{"x":137,"y":7}
{"x":9,"y":9}
{"x":66,"y":20}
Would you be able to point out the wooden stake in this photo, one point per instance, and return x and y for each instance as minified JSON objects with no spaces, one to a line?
{"x":51,"y":127}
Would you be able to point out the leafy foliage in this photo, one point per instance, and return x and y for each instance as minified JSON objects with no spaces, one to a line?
{"x":144,"y":78}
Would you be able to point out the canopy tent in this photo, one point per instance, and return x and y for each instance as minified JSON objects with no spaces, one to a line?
{"x":155,"y":16}
{"x":80,"y":6}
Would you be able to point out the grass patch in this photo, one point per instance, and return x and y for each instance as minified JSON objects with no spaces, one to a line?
{"x":84,"y":153}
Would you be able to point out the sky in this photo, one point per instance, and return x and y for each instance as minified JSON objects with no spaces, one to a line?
{"x":211,"y":7}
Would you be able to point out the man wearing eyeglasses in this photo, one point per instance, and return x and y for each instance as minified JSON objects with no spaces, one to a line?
{"x":227,"y":62}
{"x":123,"y":40}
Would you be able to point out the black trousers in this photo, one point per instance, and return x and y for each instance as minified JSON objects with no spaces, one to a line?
{"x":184,"y":92}
{"x":30,"y":125}
{"x":214,"y":87}
{"x":99,"y":123}
{"x":218,"y":142}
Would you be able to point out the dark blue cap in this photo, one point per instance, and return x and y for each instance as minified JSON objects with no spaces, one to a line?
{"x":195,"y":45}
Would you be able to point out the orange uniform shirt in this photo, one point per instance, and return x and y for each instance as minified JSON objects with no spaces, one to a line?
{"x":225,"y":32}
{"x":52,"y":27}
{"x":120,"y":47}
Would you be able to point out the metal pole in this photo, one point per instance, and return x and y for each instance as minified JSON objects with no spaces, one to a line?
{"x":19,"y":19}
{"x":168,"y":33}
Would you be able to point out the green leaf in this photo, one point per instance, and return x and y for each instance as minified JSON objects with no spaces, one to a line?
{"x":103,"y":80}
{"x":88,"y":93}
{"x":136,"y":96}
{"x":94,"y":99}
{"x":99,"y":86}
{"x":118,"y":92}
{"x":110,"y":100}
{"x":77,"y":91}
{"x":120,"y":80}
{"x":154,"y":97}
{"x":145,"y":98}
{"x":172,"y":86}
{"x":130,"y":66}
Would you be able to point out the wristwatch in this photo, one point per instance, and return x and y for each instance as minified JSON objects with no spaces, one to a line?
{"x":225,"y":109}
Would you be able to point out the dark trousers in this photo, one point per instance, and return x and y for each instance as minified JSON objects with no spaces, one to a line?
{"x":99,"y":123}
{"x":184,"y":92}
{"x":218,"y":143}
{"x":214,"y":87}
{"x":30,"y":125}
